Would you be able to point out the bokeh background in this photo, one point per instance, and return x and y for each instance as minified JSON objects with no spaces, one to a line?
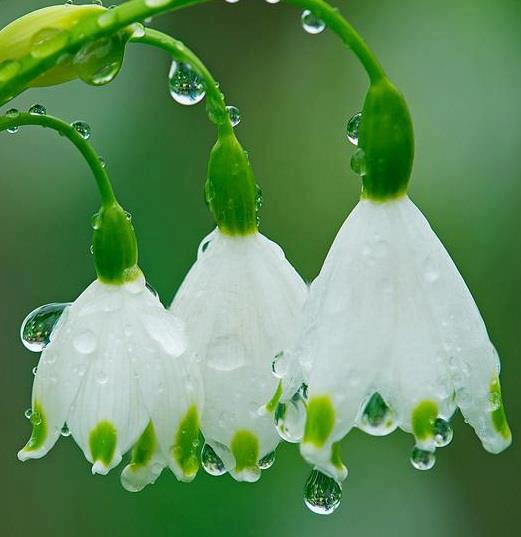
{"x":458,"y":64}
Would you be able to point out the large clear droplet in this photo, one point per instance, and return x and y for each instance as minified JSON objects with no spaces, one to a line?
{"x":377,"y":418}
{"x":235,"y":115}
{"x":186,"y":86}
{"x":358,"y":162}
{"x":322,"y":494}
{"x":98,"y":62}
{"x":267,"y":461}
{"x":311,"y":23}
{"x":47,"y":41}
{"x":353,"y":126}
{"x":290,"y":419}
{"x":82,"y":128}
{"x":38,"y":325}
{"x":443,"y":432}
{"x":38,"y":110}
{"x":211,"y":462}
{"x":422,"y":459}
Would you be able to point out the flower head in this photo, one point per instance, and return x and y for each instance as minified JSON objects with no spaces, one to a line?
{"x":240,"y":303}
{"x":392,"y":337}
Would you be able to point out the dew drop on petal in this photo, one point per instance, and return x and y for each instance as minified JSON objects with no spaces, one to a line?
{"x":422,"y":459}
{"x":311,"y":23}
{"x":36,"y":418}
{"x":443,"y":432}
{"x":186,"y":86}
{"x":28,"y":413}
{"x":235,"y":115}
{"x":38,"y":325}
{"x":377,"y":418}
{"x":82,"y":128}
{"x":65,"y":431}
{"x":267,"y":461}
{"x":322,"y":494}
{"x":353,"y":126}
{"x":35,"y":370}
{"x":38,"y":110}
{"x":85,"y":342}
{"x":277,"y":366}
{"x":211,"y":462}
{"x":290,"y":419}
{"x":152,"y":290}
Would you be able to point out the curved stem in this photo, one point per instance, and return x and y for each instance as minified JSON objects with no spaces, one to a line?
{"x":109,"y":22}
{"x":179,"y":52}
{"x":86,"y":149}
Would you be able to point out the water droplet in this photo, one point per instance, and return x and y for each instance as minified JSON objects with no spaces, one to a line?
{"x":28,"y":413}
{"x":103,"y":162}
{"x":353,"y":126}
{"x":377,"y":418}
{"x":431,"y":276}
{"x":36,"y":418}
{"x":35,"y":370}
{"x":443,"y":432}
{"x":38,"y":325}
{"x":267,"y":461}
{"x":82,"y":128}
{"x":69,"y":2}
{"x":9,"y":69}
{"x":235,"y":115}
{"x":322,"y":494}
{"x":102,"y":377}
{"x":47,"y":41}
{"x":152,"y":290}
{"x":85,"y":342}
{"x":138,"y":30}
{"x":65,"y":431}
{"x":98,"y":62}
{"x":272,"y":1}
{"x":38,"y":110}
{"x":358,"y":163}
{"x":186,"y":86}
{"x":290,"y":419}
{"x":259,"y":197}
{"x":12,"y":113}
{"x":422,"y":459}
{"x":311,"y":23}
{"x":277,"y":365}
{"x":211,"y":462}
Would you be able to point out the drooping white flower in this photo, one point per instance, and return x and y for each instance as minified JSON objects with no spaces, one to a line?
{"x":391,"y":337}
{"x":114,"y":372}
{"x":240,"y":302}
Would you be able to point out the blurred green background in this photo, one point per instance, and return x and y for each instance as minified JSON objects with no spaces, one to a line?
{"x":458,"y":64}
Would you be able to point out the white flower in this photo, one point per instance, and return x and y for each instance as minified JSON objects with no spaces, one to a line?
{"x":392,"y":337}
{"x":114,"y":372}
{"x":240,"y":303}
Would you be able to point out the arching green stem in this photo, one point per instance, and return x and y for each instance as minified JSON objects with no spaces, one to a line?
{"x":216,"y":105}
{"x":93,"y":160}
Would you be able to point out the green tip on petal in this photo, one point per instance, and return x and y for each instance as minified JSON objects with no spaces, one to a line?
{"x":102,"y":443}
{"x":274,"y":401}
{"x":39,"y":433}
{"x":423,"y":418}
{"x":144,"y":448}
{"x":336,"y":457}
{"x":186,"y":443}
{"x":245,"y":449}
{"x":499,"y":418}
{"x":320,"y":421}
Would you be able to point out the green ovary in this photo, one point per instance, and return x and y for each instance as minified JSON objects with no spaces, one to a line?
{"x":186,"y":443}
{"x":39,"y":434}
{"x":102,"y":442}
{"x":320,"y":421}
{"x":423,"y":418}
{"x":499,"y":418}
{"x":245,"y":449}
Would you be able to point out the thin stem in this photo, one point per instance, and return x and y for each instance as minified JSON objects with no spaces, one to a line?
{"x":86,"y":149}
{"x":111,"y":21}
{"x":180,"y":52}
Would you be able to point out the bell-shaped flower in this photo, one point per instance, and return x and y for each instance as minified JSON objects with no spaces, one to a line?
{"x":114,"y":372}
{"x":392,"y":337}
{"x":240,"y":302}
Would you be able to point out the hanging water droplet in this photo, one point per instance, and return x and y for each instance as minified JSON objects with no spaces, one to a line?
{"x":65,"y":431}
{"x":38,"y":110}
{"x":422,"y":459}
{"x":322,"y":494}
{"x":443,"y":432}
{"x":38,"y":325}
{"x":377,"y":418}
{"x":311,"y":23}
{"x":235,"y":115}
{"x":186,"y":86}
{"x":353,"y":126}
{"x":36,"y":418}
{"x":82,"y":128}
{"x":85,"y":342}
{"x":99,"y":62}
{"x":12,"y":113}
{"x":358,"y":163}
{"x":47,"y":41}
{"x":9,"y":69}
{"x":28,"y":413}
{"x":35,"y":370}
{"x":267,"y":461}
{"x":290,"y":419}
{"x":211,"y":462}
